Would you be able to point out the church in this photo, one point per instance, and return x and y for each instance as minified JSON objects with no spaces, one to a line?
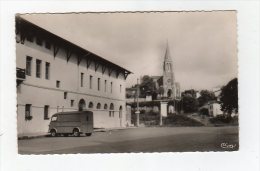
{"x":166,"y":83}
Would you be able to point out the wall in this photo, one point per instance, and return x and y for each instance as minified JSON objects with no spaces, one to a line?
{"x":41,"y":91}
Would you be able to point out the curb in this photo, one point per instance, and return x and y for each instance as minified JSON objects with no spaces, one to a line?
{"x":47,"y":134}
{"x":32,"y":137}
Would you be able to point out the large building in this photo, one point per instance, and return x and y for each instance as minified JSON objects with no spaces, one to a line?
{"x":54,"y":75}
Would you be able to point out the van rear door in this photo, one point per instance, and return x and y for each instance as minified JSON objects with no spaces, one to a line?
{"x":90,"y":121}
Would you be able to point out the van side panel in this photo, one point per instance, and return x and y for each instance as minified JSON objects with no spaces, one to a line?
{"x":66,"y":123}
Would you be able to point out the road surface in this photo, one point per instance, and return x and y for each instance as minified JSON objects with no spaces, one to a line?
{"x":159,"y":139}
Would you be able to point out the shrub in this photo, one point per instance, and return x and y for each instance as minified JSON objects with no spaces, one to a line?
{"x":224,"y":119}
{"x":204,"y":111}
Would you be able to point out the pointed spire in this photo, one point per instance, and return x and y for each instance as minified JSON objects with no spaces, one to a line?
{"x":167,"y":56}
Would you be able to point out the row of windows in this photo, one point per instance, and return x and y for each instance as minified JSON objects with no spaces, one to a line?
{"x":39,"y":41}
{"x":98,"y":83}
{"x":28,"y":68}
{"x":47,"y":75}
{"x":28,"y":112}
{"x":46,"y":110}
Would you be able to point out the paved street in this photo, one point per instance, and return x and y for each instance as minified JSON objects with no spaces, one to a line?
{"x":165,"y":139}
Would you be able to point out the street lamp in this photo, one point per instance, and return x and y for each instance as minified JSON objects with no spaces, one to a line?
{"x":137,"y":104}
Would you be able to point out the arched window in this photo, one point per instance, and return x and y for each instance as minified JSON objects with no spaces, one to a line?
{"x":90,"y":105}
{"x":98,"y":106}
{"x":105,"y":106}
{"x":111,"y":108}
{"x":120,"y":111}
{"x":82,"y":104}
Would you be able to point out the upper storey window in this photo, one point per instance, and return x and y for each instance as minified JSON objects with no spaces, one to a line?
{"x":98,"y":83}
{"x":111,"y":87}
{"x":81,"y":79}
{"x":47,"y":70}
{"x":38,"y":68}
{"x":105,"y":86}
{"x":90,"y":81}
{"x":28,"y":69}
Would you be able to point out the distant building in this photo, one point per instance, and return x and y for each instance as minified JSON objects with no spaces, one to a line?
{"x":54,"y":75}
{"x":171,"y":89}
{"x":214,"y":109}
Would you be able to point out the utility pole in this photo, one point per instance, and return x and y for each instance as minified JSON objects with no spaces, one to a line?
{"x":137,"y":104}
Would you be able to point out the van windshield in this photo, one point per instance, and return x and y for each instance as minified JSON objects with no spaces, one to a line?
{"x":54,"y":118}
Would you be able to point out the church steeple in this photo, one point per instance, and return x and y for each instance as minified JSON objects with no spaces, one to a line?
{"x":168,"y":75}
{"x":167,"y":56}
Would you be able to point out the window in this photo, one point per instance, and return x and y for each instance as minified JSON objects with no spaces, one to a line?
{"x":90,"y":81}
{"x":111,"y":108}
{"x":105,"y":106}
{"x":47,"y":45}
{"x":27,"y":111}
{"x":58,"y":84}
{"x":54,"y":118}
{"x":46,"y":112}
{"x":120,"y":88}
{"x":111,"y":87}
{"x":98,"y":83}
{"x":28,"y":65}
{"x":38,"y":68}
{"x":72,"y":103}
{"x":38,"y":41}
{"x":120,"y":111}
{"x":65,"y":95}
{"x":90,"y":105}
{"x":81,"y":79}
{"x":47,"y":70}
{"x":98,"y":106}
{"x":105,"y":85}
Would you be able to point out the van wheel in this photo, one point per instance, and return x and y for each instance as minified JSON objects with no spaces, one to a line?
{"x":76,"y":133}
{"x":88,"y":134}
{"x":53,"y":133}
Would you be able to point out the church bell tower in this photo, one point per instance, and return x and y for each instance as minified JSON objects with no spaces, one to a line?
{"x":168,"y":75}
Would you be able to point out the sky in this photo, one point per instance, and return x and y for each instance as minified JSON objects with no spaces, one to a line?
{"x":203,"y":45}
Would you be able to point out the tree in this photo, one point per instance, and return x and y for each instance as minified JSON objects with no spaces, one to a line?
{"x":205,"y":97}
{"x":147,"y":86}
{"x":229,"y":97}
{"x":190,"y":103}
{"x":161,"y":91}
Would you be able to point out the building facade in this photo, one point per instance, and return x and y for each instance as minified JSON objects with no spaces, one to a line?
{"x":55,"y":75}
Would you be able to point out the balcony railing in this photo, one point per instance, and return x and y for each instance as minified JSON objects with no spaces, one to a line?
{"x":20,"y":74}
